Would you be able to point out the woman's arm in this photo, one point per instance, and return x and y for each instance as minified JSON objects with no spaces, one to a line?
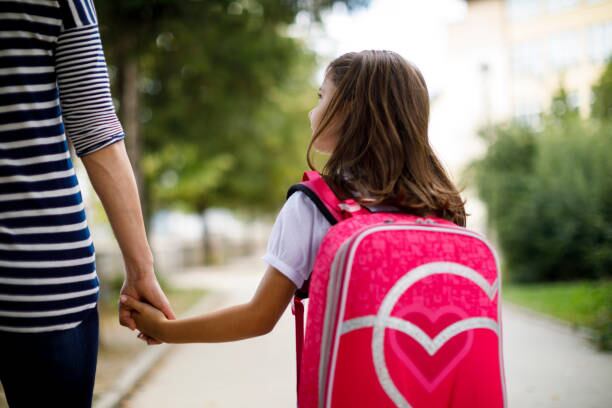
{"x":111,"y":175}
{"x":255,"y":318}
{"x":96,"y":133}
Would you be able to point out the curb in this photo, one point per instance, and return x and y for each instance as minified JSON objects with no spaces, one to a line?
{"x":145,"y":361}
{"x":128,"y":379}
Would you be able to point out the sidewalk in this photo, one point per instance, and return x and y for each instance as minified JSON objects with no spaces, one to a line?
{"x":547,"y":365}
{"x":257,"y":373}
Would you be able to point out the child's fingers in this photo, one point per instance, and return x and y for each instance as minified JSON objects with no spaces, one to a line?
{"x":148,"y":339}
{"x":131,"y":303}
{"x":152,"y":342}
{"x":125,"y":318}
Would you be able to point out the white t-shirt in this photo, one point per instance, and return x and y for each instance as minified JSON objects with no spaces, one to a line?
{"x":295,"y":239}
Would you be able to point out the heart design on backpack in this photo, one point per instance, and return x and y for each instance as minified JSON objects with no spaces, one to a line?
{"x":384,"y":320}
{"x":426,"y":367}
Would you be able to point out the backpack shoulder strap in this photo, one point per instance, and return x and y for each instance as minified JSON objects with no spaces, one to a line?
{"x":317,"y":190}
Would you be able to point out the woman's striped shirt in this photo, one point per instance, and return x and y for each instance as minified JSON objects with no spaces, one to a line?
{"x":53,"y":85}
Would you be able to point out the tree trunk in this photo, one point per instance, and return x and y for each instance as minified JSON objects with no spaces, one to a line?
{"x":211,"y":248}
{"x":130,"y":118}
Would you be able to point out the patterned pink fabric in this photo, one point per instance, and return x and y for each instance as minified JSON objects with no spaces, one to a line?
{"x":406,"y":316}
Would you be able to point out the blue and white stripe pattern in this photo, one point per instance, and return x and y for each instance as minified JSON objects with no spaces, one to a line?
{"x":53,"y":85}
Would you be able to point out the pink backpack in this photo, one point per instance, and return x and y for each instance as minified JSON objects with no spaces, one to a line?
{"x":403,"y":312}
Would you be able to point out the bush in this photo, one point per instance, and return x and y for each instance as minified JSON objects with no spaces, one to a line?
{"x":549,"y":197}
{"x":602,"y":94}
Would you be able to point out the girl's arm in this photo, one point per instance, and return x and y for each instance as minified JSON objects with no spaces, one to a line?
{"x":255,"y":318}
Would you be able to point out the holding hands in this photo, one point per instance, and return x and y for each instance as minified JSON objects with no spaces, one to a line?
{"x":253,"y":318}
{"x":147,"y":319}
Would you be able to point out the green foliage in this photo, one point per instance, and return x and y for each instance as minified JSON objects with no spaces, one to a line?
{"x":602,"y":95}
{"x":560,"y":108}
{"x":224,"y":96}
{"x":549,"y":196}
{"x":177,"y":175}
{"x":244,"y":138}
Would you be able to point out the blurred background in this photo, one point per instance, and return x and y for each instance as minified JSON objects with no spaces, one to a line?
{"x":214,"y":97}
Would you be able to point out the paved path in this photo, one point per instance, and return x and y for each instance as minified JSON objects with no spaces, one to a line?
{"x":546,"y":365}
{"x":255,"y":373}
{"x":549,"y":366}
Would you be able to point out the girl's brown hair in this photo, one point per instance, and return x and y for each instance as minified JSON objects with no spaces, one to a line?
{"x":383,"y":156}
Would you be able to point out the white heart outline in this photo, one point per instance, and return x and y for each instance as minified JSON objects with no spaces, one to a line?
{"x":416,"y":333}
{"x":383,"y":320}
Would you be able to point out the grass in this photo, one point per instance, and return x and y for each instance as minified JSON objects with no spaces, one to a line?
{"x":583,"y":303}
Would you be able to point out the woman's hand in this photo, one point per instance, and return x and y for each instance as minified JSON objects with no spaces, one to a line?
{"x":143,"y":288}
{"x":149,"y":320}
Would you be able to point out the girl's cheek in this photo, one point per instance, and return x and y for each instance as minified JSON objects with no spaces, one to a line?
{"x":314,"y":117}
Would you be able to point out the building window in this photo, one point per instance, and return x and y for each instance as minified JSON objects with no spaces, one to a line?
{"x":528,"y":58}
{"x":564,"y":49}
{"x":600,"y":42}
{"x":523,"y":9}
{"x":555,"y":6}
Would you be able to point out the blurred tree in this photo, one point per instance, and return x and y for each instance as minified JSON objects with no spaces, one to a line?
{"x":241,"y":112}
{"x":549,"y":196}
{"x":215,"y":76}
{"x":602,"y":95}
{"x":561,"y":109}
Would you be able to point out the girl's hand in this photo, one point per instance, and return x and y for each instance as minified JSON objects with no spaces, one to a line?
{"x":149,"y":320}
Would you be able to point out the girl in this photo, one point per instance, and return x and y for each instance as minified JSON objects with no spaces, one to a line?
{"x":372,"y":119}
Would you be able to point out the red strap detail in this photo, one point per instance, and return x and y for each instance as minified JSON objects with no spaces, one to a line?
{"x":317,"y":184}
{"x":298,"y":310}
{"x":311,"y":175}
{"x":339,"y":209}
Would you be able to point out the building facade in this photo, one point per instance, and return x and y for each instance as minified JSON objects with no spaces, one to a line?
{"x":506,"y":59}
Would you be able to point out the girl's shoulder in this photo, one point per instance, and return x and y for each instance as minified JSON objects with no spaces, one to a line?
{"x":300,"y":209}
{"x":295,"y":238}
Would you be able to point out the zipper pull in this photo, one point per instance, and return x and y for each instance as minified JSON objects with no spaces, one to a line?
{"x":425,"y":221}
